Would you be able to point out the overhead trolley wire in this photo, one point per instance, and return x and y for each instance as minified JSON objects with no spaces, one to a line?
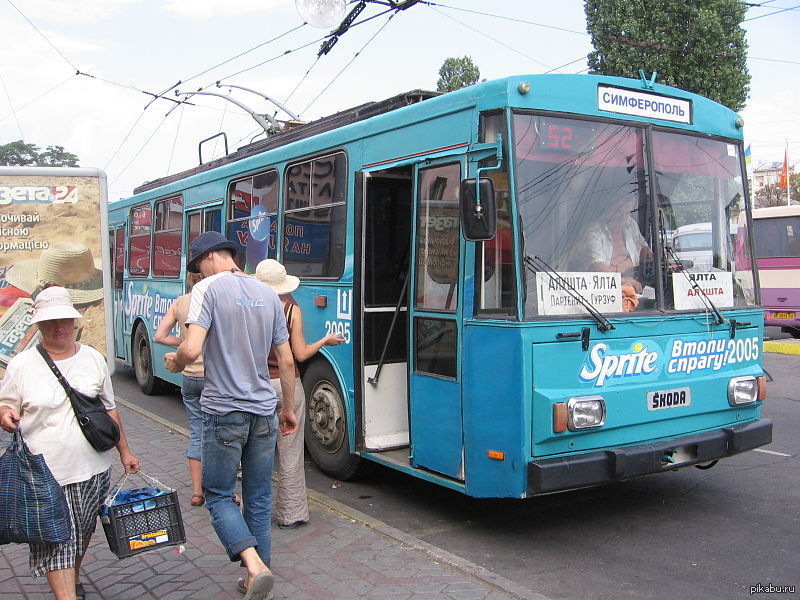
{"x":138,"y":152}
{"x":276,"y":57}
{"x":772,"y":13}
{"x":175,"y":142}
{"x":52,"y":45}
{"x":516,"y":20}
{"x":355,"y":56}
{"x":11,"y":104}
{"x":491,"y":38}
{"x":42,"y":95}
{"x":130,"y":131}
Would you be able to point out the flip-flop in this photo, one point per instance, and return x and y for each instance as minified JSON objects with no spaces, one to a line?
{"x":260,"y":588}
{"x":242,"y":588}
{"x":197,"y":500}
{"x":240,"y":585}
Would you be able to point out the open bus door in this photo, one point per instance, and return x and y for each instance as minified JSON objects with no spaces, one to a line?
{"x":408,"y":296}
{"x":435,"y":321}
{"x":116,"y":239}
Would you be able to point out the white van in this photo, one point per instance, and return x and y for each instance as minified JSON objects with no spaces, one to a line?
{"x":694,"y":243}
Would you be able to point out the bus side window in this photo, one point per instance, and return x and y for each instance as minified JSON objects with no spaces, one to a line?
{"x":139,"y":226}
{"x":315,"y":217}
{"x":495,"y":288}
{"x":168,"y":237}
{"x":252,"y":217}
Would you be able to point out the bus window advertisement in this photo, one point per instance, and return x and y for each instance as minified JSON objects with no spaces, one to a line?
{"x":50,"y":234}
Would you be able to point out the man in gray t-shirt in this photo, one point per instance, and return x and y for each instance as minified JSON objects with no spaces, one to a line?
{"x":233,"y":320}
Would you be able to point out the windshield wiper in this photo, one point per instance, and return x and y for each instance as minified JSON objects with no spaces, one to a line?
{"x":536,"y":264}
{"x":719,"y":320}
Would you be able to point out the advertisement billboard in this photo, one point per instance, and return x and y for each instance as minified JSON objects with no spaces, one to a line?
{"x":53,"y":231}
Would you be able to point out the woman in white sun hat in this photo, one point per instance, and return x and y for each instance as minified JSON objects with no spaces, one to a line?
{"x":290,"y":505}
{"x":32,"y":399}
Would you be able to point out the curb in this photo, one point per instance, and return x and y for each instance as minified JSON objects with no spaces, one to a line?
{"x":438,"y":555}
{"x":463,"y":566}
{"x":782,"y":347}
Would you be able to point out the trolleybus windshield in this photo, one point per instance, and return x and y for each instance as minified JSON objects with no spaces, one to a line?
{"x":587,"y":210}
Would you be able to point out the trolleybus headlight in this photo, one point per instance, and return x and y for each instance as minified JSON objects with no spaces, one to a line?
{"x":742,"y":390}
{"x":586,"y":412}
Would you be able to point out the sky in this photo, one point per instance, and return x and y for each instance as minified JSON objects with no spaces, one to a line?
{"x":84,"y":74}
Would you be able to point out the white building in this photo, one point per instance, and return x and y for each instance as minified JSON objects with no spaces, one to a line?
{"x":767,"y":173}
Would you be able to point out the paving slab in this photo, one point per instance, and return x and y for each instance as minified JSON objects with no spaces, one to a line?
{"x":341,"y":554}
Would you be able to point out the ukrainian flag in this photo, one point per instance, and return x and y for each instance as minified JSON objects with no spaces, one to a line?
{"x":748,"y":159}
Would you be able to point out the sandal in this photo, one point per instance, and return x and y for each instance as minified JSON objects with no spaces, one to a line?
{"x":242,"y":587}
{"x":294,"y":525}
{"x":79,"y":591}
{"x":197,"y":500}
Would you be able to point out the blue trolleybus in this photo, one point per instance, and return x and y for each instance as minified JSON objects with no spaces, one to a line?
{"x":498,"y":262}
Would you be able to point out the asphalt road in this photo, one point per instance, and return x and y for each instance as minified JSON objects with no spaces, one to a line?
{"x":686,"y":534}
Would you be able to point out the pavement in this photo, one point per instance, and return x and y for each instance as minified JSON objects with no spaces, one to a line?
{"x":341,"y":554}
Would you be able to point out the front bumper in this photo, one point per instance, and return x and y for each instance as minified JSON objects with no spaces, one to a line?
{"x":596,"y":468}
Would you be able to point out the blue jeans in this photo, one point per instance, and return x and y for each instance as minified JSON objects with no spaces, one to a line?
{"x":230,"y":439}
{"x":190,"y":390}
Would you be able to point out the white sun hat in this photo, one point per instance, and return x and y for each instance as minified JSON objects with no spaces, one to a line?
{"x":273,"y":273}
{"x":54,"y":303}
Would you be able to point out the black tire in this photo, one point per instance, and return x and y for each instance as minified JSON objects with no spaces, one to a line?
{"x":792,"y":331}
{"x":326,"y":425}
{"x":143,"y":363}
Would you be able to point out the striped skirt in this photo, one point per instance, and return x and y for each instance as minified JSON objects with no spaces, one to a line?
{"x":84,"y":499}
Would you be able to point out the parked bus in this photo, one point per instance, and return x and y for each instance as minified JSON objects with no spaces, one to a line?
{"x":458,"y":242}
{"x":776,"y":231}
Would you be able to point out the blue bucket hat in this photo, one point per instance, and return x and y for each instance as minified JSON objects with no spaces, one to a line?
{"x":205,"y":243}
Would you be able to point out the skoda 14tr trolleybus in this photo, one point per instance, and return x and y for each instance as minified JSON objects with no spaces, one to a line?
{"x":496,"y":260}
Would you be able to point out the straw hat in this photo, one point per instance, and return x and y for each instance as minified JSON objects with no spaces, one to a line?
{"x":66,"y":264}
{"x":54,"y":303}
{"x":274,"y":275}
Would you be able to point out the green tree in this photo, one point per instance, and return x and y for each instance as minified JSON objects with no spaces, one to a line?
{"x":695,"y":45}
{"x":19,"y":154}
{"x":22,"y":154}
{"x":457,"y":73}
{"x":56,"y":156}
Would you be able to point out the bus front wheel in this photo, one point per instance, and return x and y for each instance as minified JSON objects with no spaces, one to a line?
{"x":143,"y":363}
{"x":326,"y":425}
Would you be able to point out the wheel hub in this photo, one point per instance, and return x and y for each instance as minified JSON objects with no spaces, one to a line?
{"x":326,"y":421}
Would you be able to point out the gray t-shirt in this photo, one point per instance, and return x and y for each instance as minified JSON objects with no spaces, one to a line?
{"x":243,"y":318}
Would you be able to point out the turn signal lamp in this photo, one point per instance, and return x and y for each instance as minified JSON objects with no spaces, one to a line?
{"x":762,"y":387}
{"x":585,"y":412}
{"x":496,"y":454}
{"x":559,"y":417}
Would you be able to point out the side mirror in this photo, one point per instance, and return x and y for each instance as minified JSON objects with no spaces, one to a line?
{"x":478,"y":214}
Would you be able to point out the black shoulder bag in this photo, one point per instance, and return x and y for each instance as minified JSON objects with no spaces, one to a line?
{"x":99,"y":429}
